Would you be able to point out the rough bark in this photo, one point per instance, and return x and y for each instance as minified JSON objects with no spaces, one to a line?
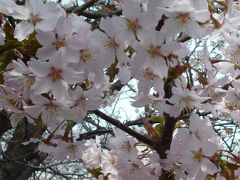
{"x":166,"y":140}
{"x":18,"y":158}
{"x":4,"y":123}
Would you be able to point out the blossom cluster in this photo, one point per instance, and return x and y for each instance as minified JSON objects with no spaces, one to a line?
{"x":66,"y":79}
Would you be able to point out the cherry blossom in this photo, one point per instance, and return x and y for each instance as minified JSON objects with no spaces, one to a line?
{"x":153,"y":52}
{"x":83,"y":101}
{"x":182,"y":17}
{"x":135,"y":24}
{"x":148,"y":79}
{"x":72,"y":149}
{"x":124,"y":144}
{"x":62,"y":69}
{"x":35,"y":15}
{"x":19,"y":77}
{"x":12,"y":101}
{"x":51,"y":112}
{"x":10,"y":8}
{"x":185,"y":100}
{"x":53,"y":76}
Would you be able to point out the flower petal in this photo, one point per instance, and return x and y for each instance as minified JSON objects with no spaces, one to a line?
{"x":23,"y":29}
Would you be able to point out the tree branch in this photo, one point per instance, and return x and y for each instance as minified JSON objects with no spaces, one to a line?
{"x":81,"y":8}
{"x":4,"y":123}
{"x":124,"y":128}
{"x":165,"y":142}
{"x":98,"y":15}
{"x":92,"y":134}
{"x":23,"y":153}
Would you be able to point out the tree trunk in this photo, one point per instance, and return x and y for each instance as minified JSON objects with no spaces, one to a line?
{"x":18,"y":158}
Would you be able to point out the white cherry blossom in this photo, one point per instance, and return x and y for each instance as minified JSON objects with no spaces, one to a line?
{"x":153,"y":52}
{"x":135,"y":23}
{"x":19,"y":77}
{"x":183,"y":17}
{"x":185,"y":100}
{"x":53,"y":76}
{"x":83,"y":101}
{"x":34,"y":15}
{"x":51,"y":112}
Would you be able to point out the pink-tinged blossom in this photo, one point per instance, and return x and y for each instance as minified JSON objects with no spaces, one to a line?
{"x":233,"y":51}
{"x":153,"y":6}
{"x":199,"y":5}
{"x":34,"y":15}
{"x":185,"y":100}
{"x":57,"y":42}
{"x":125,"y":145}
{"x":12,"y":101}
{"x":86,"y":54}
{"x":227,"y":68}
{"x":53,"y":76}
{"x":73,"y":150}
{"x":79,"y":24}
{"x":152,"y":53}
{"x":80,"y":43}
{"x":154,"y":165}
{"x":141,"y":100}
{"x":124,"y":74}
{"x":148,"y":79}
{"x":112,"y":50}
{"x":92,"y":156}
{"x":9,"y":7}
{"x":192,"y":157}
{"x":200,"y":131}
{"x":16,"y":117}
{"x":192,"y":147}
{"x":233,"y":96}
{"x":95,"y":157}
{"x":229,"y":27}
{"x":154,"y":170}
{"x":93,"y":142}
{"x":183,"y":17}
{"x":133,"y":170}
{"x":89,"y":58}
{"x":135,"y":23}
{"x":201,"y":128}
{"x":48,"y":148}
{"x":213,"y":87}
{"x":51,"y":112}
{"x":197,"y":164}
{"x":109,"y":161}
{"x":19,"y":77}
{"x":83,"y":101}
{"x":113,"y":46}
{"x":171,"y":164}
{"x":236,"y":116}
{"x":157,"y":102}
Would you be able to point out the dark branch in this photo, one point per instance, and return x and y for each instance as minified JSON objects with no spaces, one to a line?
{"x":98,"y":15}
{"x":165,"y":142}
{"x":93,"y":134}
{"x":4,"y":123}
{"x":124,"y":128}
{"x":81,"y":8}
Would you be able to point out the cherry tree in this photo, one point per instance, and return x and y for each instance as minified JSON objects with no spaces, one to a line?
{"x":64,"y":69}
